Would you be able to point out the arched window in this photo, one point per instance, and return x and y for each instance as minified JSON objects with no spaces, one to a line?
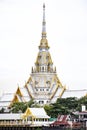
{"x":42,"y":69}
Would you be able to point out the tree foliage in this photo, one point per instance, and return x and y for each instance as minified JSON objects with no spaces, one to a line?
{"x":21,"y":106}
{"x":65,"y":106}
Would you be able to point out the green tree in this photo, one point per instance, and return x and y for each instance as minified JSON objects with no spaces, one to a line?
{"x":62,"y":106}
{"x":82,"y":101}
{"x":21,"y":106}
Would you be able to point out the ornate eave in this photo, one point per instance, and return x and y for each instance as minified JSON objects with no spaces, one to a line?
{"x":27,"y":113}
{"x":63,"y":90}
{"x":18,"y":92}
{"x":15,"y":100}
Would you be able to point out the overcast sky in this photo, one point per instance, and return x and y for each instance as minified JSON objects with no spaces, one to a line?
{"x":20,"y":34}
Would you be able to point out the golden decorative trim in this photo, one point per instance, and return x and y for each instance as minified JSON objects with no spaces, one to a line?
{"x":63,"y":89}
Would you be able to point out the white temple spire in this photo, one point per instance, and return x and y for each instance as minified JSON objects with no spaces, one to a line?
{"x":44,"y":23}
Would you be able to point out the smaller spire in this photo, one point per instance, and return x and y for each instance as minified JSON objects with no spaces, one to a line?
{"x":44,"y":23}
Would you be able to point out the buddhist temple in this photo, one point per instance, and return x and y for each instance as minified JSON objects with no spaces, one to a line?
{"x":43,"y":85}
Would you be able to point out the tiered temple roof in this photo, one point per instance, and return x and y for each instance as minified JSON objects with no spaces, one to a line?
{"x":43,"y":85}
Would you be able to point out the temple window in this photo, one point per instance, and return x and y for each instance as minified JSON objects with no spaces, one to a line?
{"x":47,"y":89}
{"x":41,"y":102}
{"x":47,"y":101}
{"x":45,"y":119}
{"x":36,"y":89}
{"x":36,"y":119}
